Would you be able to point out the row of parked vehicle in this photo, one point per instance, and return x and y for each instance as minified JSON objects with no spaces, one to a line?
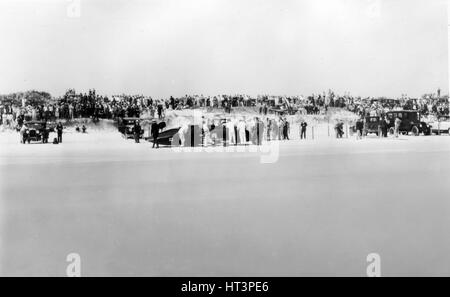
{"x":412,"y":122}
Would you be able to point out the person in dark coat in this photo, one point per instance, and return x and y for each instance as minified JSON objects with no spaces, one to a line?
{"x":259,"y":131}
{"x":155,"y":134}
{"x":160,"y":110}
{"x":339,"y":129}
{"x":303,"y":126}
{"x":59,"y":130}
{"x":44,"y":133}
{"x":359,"y":128}
{"x":137,"y":131}
{"x":285,"y":130}
{"x":384,"y":127}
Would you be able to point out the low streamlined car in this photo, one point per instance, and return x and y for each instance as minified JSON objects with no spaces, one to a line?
{"x":167,"y":137}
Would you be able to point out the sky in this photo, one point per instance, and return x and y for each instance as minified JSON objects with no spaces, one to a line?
{"x":176,"y":47}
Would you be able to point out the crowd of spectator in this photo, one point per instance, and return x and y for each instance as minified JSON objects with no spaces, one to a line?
{"x":91,"y":105}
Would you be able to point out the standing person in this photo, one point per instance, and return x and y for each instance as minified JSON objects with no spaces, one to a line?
{"x":206,"y":134}
{"x":44,"y":133}
{"x":160,"y":111}
{"x":241,"y":129}
{"x":259,"y":131}
{"x":23,"y":134}
{"x":303,"y":126}
{"x":359,"y":129}
{"x":59,"y":130}
{"x":155,"y":134}
{"x":280,"y":128}
{"x":71,"y":109}
{"x":397,"y":126}
{"x":275,"y":130}
{"x":339,"y":129}
{"x":269,"y":128}
{"x":231,"y":132}
{"x":184,"y":130}
{"x":137,"y":131}
{"x":285,"y":129}
{"x":383,"y":127}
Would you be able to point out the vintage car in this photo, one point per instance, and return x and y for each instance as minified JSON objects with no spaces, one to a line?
{"x":371,"y":125}
{"x":36,"y":131}
{"x":410,"y":122}
{"x":440,"y":125}
{"x":126,"y":127}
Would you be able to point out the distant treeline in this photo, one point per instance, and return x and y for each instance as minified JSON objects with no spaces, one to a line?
{"x":33,"y":97}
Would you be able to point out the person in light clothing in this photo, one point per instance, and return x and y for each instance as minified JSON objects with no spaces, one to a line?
{"x":182,"y":133}
{"x":22,"y":133}
{"x":231,"y":132}
{"x":397,"y":126}
{"x":241,"y":130}
{"x":206,"y":133}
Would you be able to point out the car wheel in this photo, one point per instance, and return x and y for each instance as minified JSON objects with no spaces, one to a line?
{"x":415,"y":131}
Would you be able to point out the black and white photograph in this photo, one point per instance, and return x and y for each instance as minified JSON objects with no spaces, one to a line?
{"x":224,"y":138}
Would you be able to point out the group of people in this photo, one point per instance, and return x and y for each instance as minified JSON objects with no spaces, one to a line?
{"x":241,"y":131}
{"x":91,"y":105}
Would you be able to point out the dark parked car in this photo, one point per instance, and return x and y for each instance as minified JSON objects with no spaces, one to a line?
{"x":410,"y":122}
{"x":371,"y":125}
{"x":126,"y":127}
{"x":36,"y":131}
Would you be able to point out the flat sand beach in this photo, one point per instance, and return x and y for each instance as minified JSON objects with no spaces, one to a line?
{"x":319,"y":209}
